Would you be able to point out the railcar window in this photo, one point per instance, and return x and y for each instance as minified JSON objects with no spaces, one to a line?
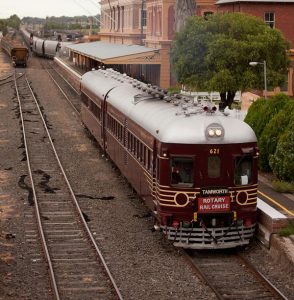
{"x":144,"y":156}
{"x":141,"y":153}
{"x":120,"y":132}
{"x":243,"y":170}
{"x":213,"y":167}
{"x":129,"y":141}
{"x":149,"y":161}
{"x":85,"y":100}
{"x":109,"y":123}
{"x":182,"y":171}
{"x":135,"y":146}
{"x":115,"y":128}
{"x":95,"y":110}
{"x":132,"y":143}
{"x":138,"y":149}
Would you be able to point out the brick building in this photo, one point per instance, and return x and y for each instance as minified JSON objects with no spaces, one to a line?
{"x":151,"y":23}
{"x":122,"y":22}
{"x":277,"y":14}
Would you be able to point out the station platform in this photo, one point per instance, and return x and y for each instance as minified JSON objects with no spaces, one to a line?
{"x":275,"y":210}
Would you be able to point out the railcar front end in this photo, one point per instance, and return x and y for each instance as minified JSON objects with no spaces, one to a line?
{"x":205,"y":195}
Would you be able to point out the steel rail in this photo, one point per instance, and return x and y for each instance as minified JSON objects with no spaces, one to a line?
{"x":197,"y":271}
{"x":63,"y":93}
{"x":90,"y":236}
{"x":40,"y":228}
{"x":6,"y":77}
{"x":257,"y":275}
{"x":2,"y":81}
{"x":61,"y":90}
{"x":77,"y":92}
{"x":262,"y":278}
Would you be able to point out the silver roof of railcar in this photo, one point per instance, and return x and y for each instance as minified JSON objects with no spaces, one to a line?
{"x":169,"y":123}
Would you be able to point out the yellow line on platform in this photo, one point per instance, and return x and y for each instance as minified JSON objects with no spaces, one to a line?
{"x":276,"y":203}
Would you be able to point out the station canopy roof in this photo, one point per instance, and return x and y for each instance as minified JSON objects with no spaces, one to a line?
{"x":108,"y":53}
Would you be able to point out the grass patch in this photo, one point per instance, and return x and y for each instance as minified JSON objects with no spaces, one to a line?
{"x":283,"y":186}
{"x":287,"y":230}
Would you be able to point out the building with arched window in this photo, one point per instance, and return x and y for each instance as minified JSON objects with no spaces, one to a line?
{"x":151,"y":23}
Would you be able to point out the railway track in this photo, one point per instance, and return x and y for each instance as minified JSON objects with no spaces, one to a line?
{"x":71,"y":95}
{"x":7,"y":78}
{"x":231,"y":276}
{"x":76,"y":266}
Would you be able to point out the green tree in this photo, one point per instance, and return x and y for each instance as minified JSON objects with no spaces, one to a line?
{"x":14,"y":21}
{"x":3,"y":26}
{"x":213,"y":54}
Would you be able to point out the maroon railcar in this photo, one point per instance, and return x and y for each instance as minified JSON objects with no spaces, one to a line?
{"x":195,"y":167}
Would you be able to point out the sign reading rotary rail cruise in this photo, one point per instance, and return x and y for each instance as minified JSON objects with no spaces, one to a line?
{"x":214,"y":200}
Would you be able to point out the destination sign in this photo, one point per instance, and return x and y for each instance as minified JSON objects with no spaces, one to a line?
{"x":214,"y":204}
{"x":214,"y":191}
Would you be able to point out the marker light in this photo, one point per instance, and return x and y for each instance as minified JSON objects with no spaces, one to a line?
{"x":211,"y":132}
{"x":218,"y":132}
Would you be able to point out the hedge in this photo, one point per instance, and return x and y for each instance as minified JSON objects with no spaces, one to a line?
{"x":272,"y":133}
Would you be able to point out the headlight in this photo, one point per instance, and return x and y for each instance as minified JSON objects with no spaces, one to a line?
{"x":211,"y":132}
{"x":218,"y":132}
{"x":214,"y":131}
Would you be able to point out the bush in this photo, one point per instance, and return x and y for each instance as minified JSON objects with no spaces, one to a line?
{"x":287,"y":230}
{"x":253,"y":114}
{"x":263,"y":110}
{"x":282,"y":186}
{"x":282,"y":162}
{"x":272,"y":133}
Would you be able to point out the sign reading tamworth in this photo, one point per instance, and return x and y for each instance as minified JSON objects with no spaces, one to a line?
{"x":214,"y":200}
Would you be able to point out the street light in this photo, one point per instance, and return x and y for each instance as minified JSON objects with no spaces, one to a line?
{"x":255,"y":63}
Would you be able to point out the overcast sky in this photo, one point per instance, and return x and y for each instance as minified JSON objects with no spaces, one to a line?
{"x":43,"y":8}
